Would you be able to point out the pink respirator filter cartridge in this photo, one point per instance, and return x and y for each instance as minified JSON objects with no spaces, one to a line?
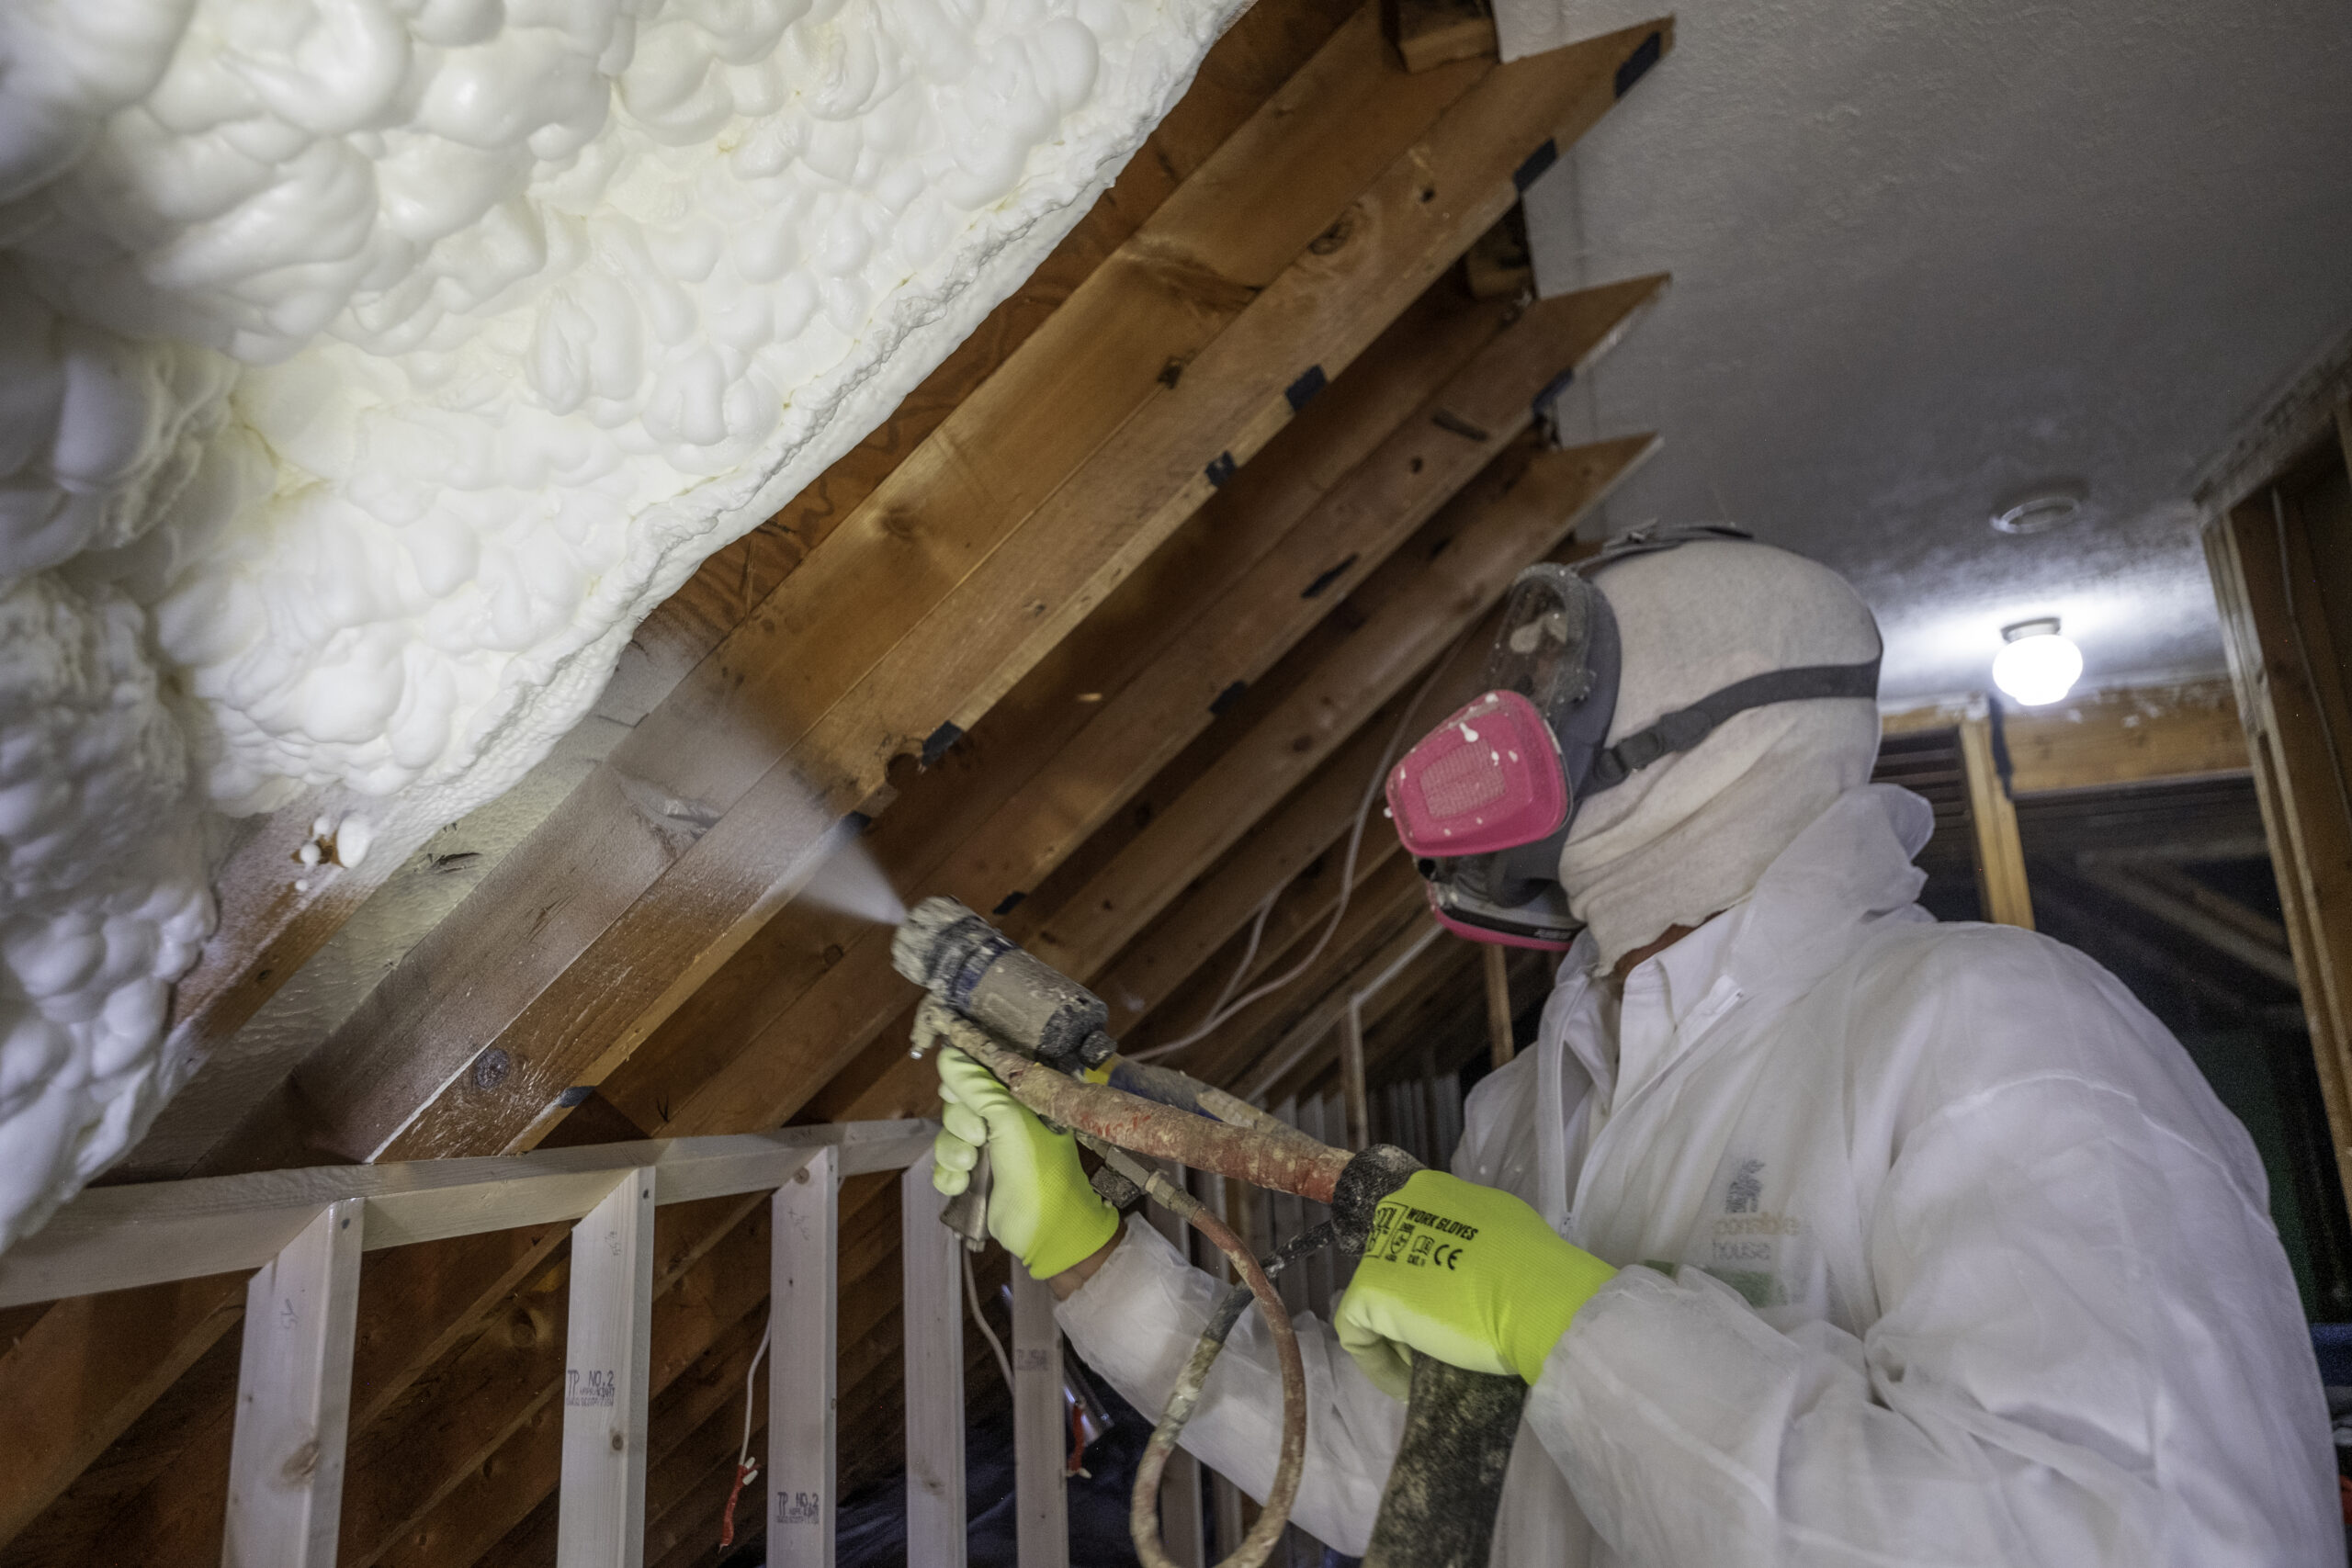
{"x":1490,"y":778}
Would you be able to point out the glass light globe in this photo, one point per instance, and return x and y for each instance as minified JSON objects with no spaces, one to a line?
{"x":2038,"y":666}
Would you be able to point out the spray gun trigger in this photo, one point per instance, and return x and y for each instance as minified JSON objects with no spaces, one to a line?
{"x":967,"y":1213}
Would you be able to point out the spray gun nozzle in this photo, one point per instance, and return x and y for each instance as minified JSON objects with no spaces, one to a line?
{"x":978,"y":973}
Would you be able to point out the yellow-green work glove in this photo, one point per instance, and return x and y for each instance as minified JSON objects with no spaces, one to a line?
{"x":1041,"y":1207}
{"x":1467,"y":1274}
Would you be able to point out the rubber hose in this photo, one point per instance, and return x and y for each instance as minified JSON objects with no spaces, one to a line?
{"x":1143,"y":1506}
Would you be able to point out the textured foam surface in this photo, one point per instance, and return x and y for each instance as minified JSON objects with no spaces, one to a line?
{"x":370,"y":368}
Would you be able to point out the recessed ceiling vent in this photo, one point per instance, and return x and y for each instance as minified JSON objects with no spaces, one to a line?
{"x":2039,"y":513}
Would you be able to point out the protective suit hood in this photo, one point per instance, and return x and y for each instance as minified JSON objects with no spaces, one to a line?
{"x":1690,"y":835}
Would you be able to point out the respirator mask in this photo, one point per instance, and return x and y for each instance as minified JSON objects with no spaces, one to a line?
{"x":1484,"y":802}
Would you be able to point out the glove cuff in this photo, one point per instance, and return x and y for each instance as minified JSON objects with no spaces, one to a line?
{"x":1070,"y":1239}
{"x":1576,"y":1277}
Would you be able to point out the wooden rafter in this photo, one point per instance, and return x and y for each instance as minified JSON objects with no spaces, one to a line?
{"x":728,"y":786}
{"x":964,"y":572}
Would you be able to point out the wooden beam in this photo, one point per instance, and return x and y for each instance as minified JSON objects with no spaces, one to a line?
{"x":269,"y":929}
{"x":802,"y":1356}
{"x":692,"y":1436}
{"x":2000,"y":854}
{"x":1040,"y":1431}
{"x":970,"y":642}
{"x":932,"y":1255}
{"x":471,"y":1517}
{"x":2142,"y":735}
{"x":2102,"y":739}
{"x":1430,"y":33}
{"x":242,"y":1221}
{"x":1523,"y":505}
{"x":77,"y":1379}
{"x":1368,"y":988}
{"x":1106,"y":763}
{"x":929,"y":838}
{"x":1501,"y":1045}
{"x":1190,"y":834}
{"x":2283,"y":663}
{"x":1385,"y":922}
{"x":1519,"y":504}
{"x":904,"y":618}
{"x":1314,"y":552}
{"x":2192,"y":908}
{"x":608,"y":1341}
{"x":294,"y":1398}
{"x":1352,"y":1082}
{"x":162,"y":1502}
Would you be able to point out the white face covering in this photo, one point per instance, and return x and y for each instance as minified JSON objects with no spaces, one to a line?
{"x":1691,"y":835}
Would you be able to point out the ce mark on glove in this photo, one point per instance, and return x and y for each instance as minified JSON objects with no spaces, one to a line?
{"x":1417,"y":1238}
{"x":1464,"y":1274}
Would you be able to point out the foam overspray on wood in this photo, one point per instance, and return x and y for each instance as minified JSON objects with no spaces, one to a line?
{"x":376,"y":368}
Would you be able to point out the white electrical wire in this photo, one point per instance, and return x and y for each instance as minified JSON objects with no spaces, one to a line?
{"x":972,"y":1294}
{"x":1223,"y":1012}
{"x":751,"y":1382}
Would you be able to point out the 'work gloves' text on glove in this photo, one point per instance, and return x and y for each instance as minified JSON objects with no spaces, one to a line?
{"x":1467,"y":1274}
{"x":1041,"y":1208}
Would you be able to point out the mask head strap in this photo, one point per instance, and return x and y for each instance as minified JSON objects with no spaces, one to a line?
{"x":1686,"y":727}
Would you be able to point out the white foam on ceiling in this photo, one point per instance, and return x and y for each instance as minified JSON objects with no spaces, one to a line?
{"x":370,"y":368}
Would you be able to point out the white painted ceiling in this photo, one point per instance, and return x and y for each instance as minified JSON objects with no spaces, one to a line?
{"x":1929,"y":256}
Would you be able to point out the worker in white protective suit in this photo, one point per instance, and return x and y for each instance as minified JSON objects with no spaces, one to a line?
{"x":1821,"y":1232}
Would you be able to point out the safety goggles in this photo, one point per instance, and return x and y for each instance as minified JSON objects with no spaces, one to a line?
{"x":1484,"y":802}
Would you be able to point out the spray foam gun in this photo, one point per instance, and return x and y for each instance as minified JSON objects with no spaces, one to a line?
{"x":1039,"y":1031}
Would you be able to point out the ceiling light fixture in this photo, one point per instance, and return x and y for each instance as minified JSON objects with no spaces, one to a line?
{"x":2037,"y":666}
{"x":2038,"y":514}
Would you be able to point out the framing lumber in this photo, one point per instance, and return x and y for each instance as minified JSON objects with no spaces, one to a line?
{"x":805,"y":1286}
{"x":2000,"y":854}
{"x":932,"y":1255}
{"x":167,"y":1506}
{"x":465,"y":1412}
{"x":408,"y":1454}
{"x":2102,"y":739}
{"x":1012,"y":754}
{"x":688,"y":1322}
{"x":608,"y":1340}
{"x":2182,"y":902}
{"x":2285,"y":667}
{"x":1040,"y":1430}
{"x":286,"y":1461}
{"x":904,"y":619}
{"x":401,"y":1093}
{"x":1426,"y":34}
{"x":242,"y":1221}
{"x":1501,"y":1044}
{"x":1523,"y":503}
{"x":267,"y":928}
{"x":1404,"y":479}
{"x":597,"y":999}
{"x":71,"y":1391}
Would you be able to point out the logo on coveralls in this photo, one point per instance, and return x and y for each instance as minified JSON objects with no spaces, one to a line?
{"x":1402,"y":1233}
{"x":1743,"y":1251}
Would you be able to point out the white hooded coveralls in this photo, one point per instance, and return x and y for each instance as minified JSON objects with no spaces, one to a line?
{"x":1936,"y":1249}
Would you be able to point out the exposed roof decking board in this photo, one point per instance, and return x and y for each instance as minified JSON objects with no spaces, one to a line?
{"x":470,"y":1495}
